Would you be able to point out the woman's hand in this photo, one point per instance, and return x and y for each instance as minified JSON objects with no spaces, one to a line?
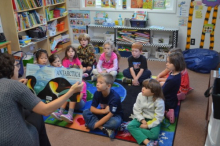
{"x":76,"y":87}
{"x":24,"y":81}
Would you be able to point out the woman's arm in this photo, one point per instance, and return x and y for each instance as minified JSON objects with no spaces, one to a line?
{"x":47,"y":109}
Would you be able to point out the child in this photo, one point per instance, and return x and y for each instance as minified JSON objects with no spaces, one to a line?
{"x":175,"y":64}
{"x":108,"y":61}
{"x":41,"y":57}
{"x":55,"y":60}
{"x":109,"y":117}
{"x":148,"y":113}
{"x":86,"y":53}
{"x":71,"y":58}
{"x":137,"y":67}
{"x":184,"y":86}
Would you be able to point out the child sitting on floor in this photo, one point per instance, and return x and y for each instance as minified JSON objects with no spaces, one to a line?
{"x":86,"y":53}
{"x":108,"y":61}
{"x":137,"y":67}
{"x":148,"y":113}
{"x":184,"y":86}
{"x":109,"y":117}
{"x":41,"y":57}
{"x":175,"y":64}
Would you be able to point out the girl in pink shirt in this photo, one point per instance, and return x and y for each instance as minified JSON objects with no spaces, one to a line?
{"x":71,"y":61}
{"x":108,"y":61}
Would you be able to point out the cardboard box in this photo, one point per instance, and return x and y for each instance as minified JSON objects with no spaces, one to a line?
{"x":109,"y":36}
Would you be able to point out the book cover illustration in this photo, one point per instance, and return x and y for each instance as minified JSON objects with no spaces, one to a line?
{"x":159,"y":4}
{"x":112,"y":3}
{"x":148,"y":4}
{"x":49,"y":83}
{"x":105,"y":3}
{"x":90,"y":3}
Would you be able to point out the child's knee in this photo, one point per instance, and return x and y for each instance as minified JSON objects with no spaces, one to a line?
{"x":86,"y":112}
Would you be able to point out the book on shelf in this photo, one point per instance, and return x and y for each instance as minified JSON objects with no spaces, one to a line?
{"x":52,"y":2}
{"x":26,"y":20}
{"x":19,"y":5}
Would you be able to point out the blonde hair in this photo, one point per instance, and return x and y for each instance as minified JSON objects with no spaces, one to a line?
{"x":137,"y":45}
{"x":111,"y":44}
{"x":108,"y":78}
{"x":84,"y":36}
{"x":154,"y":87}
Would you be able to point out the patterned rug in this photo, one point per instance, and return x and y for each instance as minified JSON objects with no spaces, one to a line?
{"x":128,"y":96}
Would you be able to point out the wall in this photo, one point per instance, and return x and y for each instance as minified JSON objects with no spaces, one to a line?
{"x":171,"y":20}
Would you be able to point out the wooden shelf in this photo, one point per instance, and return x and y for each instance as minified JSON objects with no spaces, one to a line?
{"x":55,"y":4}
{"x":34,"y":42}
{"x":59,"y":32}
{"x":31,"y":28}
{"x":56,"y":18}
{"x":28,"y":9}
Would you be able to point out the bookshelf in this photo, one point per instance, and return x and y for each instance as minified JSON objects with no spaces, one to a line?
{"x":11,"y":9}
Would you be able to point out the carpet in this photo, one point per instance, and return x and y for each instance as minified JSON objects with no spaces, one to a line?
{"x":128,"y":96}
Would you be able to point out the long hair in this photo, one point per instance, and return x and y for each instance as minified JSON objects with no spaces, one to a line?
{"x":52,"y":58}
{"x":154,"y":87}
{"x":67,"y":49}
{"x":111,"y":44}
{"x":177,"y":60}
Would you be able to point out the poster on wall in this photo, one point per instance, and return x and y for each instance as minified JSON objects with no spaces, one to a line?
{"x":112,"y":3}
{"x":198,"y":14}
{"x":49,"y":82}
{"x":183,"y":8}
{"x":74,"y":3}
{"x":207,"y":28}
{"x":183,"y":21}
{"x":78,"y":21}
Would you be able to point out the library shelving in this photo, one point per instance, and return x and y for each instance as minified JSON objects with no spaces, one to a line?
{"x":32,"y":14}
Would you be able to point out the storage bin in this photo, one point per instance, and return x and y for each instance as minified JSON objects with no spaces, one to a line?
{"x":108,"y":35}
{"x":125,"y":53}
{"x":161,"y":39}
{"x":161,"y":55}
{"x":60,"y":26}
{"x":63,"y":45}
{"x":28,"y":59}
{"x":146,"y":54}
{"x":138,"y":23}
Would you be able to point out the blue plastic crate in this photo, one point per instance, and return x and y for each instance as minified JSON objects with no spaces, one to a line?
{"x":125,"y":53}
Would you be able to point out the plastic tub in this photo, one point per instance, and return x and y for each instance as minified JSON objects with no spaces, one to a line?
{"x":60,"y":26}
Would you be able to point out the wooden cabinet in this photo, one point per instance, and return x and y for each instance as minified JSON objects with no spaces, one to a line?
{"x":12,"y":32}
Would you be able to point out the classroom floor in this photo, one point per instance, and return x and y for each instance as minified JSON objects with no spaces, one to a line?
{"x":191,"y":127}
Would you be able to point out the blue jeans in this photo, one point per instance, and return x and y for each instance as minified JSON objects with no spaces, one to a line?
{"x":113,"y":123}
{"x":145,"y":75}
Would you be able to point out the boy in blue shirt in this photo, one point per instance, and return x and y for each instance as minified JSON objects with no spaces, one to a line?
{"x":109,"y":117}
{"x":137,"y":67}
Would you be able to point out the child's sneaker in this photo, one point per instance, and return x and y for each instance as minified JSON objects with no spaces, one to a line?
{"x":67,"y":118}
{"x":109,"y":132}
{"x":152,"y":143}
{"x":56,"y":115}
{"x":126,"y":80}
{"x":85,"y":75}
{"x":94,"y":78}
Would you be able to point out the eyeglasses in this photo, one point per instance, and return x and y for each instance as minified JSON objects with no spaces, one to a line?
{"x":18,"y":65}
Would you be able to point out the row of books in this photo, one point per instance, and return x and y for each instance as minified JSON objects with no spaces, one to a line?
{"x":26,"y":4}
{"x":26,"y":20}
{"x":132,"y":36}
{"x":51,"y":2}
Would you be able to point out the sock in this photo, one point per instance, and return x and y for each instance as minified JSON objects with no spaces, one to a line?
{"x":61,"y":110}
{"x":71,"y":111}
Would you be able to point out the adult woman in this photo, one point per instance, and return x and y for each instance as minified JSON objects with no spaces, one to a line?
{"x":14,"y":96}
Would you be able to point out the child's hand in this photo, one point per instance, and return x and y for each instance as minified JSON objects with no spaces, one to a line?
{"x":144,"y":126}
{"x":103,"y":72}
{"x":143,"y":121}
{"x":76,"y":87}
{"x":135,"y":82}
{"x":24,"y":81}
{"x":88,"y":68}
{"x":106,"y":110}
